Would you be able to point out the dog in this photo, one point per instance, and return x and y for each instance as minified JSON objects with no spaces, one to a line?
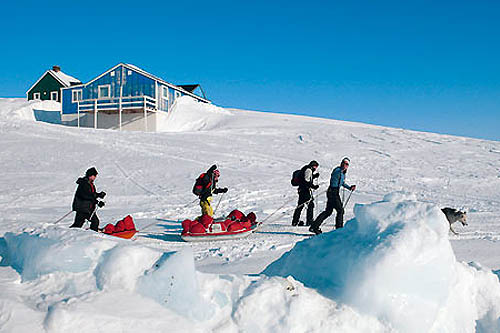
{"x":453,"y":215}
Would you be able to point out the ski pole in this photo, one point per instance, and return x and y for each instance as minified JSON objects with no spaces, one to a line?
{"x":218,"y":203}
{"x":62,"y":218}
{"x":349,"y":197}
{"x":92,"y":215}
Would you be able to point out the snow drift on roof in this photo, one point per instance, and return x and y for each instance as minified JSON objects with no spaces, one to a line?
{"x":66,"y":79}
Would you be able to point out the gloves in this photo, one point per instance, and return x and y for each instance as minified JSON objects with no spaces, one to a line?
{"x":316,"y":175}
{"x":100,"y":204}
{"x":353,"y":187}
{"x":223,"y":190}
{"x":101,"y":195}
{"x":314,"y":187}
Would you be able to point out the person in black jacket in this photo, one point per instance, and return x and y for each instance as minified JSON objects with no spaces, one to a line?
{"x":85,"y":201}
{"x":205,"y":186}
{"x":306,"y":186}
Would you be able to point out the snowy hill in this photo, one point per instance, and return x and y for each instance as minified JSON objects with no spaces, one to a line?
{"x":57,"y":280}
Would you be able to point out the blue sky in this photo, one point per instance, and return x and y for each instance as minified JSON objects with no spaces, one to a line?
{"x":425,"y":65}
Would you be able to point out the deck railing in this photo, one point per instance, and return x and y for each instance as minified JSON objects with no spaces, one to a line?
{"x":140,"y":103}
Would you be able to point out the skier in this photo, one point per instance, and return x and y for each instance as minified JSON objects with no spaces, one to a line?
{"x":333,"y":195}
{"x":205,"y":186}
{"x":306,"y":185}
{"x":85,"y":201}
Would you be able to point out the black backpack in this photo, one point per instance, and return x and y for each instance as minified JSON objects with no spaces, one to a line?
{"x":297,"y":177}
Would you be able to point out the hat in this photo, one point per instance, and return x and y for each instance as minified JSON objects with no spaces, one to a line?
{"x":91,"y":172}
{"x":346,"y":159}
{"x":313,"y":163}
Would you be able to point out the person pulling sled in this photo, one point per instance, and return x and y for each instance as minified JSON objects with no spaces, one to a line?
{"x":304,"y":179}
{"x":333,"y":195}
{"x":205,"y":186}
{"x":85,"y":202}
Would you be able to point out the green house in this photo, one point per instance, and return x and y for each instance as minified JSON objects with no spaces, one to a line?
{"x":48,"y":86}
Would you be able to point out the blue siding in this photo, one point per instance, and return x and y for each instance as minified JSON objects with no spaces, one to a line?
{"x":134,"y":84}
{"x":52,"y":117}
{"x":68,"y":106}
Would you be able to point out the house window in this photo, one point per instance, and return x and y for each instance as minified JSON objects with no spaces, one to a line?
{"x":53,"y":95}
{"x":112,"y":73}
{"x":76,"y":95}
{"x":36,"y":95}
{"x":177,"y":94}
{"x":164,"y":93}
{"x":129,"y":72}
{"x":104,"y":91}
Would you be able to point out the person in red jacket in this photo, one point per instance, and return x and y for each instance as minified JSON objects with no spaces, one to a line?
{"x":205,"y":186}
{"x":85,"y":201}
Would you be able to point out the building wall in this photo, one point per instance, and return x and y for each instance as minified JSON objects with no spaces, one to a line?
{"x":133,"y":84}
{"x":45,"y":86}
{"x":130,"y":121}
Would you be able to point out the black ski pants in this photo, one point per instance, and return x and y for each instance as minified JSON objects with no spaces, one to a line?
{"x":80,"y":220}
{"x":333,"y":202}
{"x":304,"y":196}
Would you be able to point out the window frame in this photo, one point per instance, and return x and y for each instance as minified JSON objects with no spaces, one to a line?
{"x":57,"y":95}
{"x":163,"y":89}
{"x":35,"y":94}
{"x":177,"y":94}
{"x":99,"y":91}
{"x":75,"y":92}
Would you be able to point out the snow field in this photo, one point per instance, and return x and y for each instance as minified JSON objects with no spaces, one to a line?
{"x":391,"y":268}
{"x":84,"y":282}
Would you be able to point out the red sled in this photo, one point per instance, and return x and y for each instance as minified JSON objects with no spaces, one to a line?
{"x":235,"y":225}
{"x":125,"y":234}
{"x":123,"y":229}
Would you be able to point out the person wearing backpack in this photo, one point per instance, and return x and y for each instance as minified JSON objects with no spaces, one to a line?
{"x":304,"y":178}
{"x":333,"y":195}
{"x":205,"y":186}
{"x":85,"y":201}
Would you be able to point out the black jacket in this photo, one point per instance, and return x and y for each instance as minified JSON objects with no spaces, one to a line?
{"x":85,"y":196}
{"x":209,"y":184}
{"x":305,"y":186}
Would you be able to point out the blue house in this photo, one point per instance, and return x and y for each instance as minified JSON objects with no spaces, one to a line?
{"x":124,"y":97}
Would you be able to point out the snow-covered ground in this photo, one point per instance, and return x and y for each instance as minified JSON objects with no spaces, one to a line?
{"x":397,"y":253}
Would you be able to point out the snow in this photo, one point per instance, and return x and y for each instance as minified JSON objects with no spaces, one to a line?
{"x":395,"y":262}
{"x":189,"y":115}
{"x":394,"y":258}
{"x":66,"y":79}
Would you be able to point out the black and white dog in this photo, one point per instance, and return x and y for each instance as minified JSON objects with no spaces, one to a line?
{"x":453,"y":215}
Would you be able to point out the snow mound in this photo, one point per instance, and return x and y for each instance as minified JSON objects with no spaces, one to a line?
{"x":188,"y":115}
{"x":394,"y":261}
{"x":91,"y":282}
{"x":109,"y":265}
{"x":12,"y":109}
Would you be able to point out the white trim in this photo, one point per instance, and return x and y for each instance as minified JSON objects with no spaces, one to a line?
{"x":39,"y":79}
{"x":37,"y":98}
{"x":163,"y":88}
{"x":73,"y":99}
{"x":177,"y":94}
{"x":99,"y":91}
{"x":52,"y":93}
